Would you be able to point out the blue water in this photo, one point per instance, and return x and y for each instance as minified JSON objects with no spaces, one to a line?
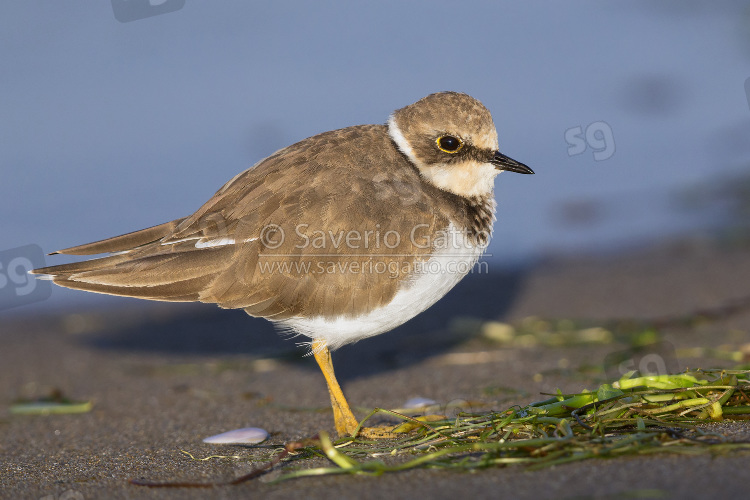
{"x":107,"y":127}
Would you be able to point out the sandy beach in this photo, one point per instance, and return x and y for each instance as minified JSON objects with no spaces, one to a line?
{"x":163,"y":377}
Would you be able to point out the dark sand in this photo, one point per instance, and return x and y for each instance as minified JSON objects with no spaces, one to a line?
{"x":162,"y":377}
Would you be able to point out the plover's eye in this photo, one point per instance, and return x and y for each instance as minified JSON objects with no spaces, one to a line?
{"x":449,"y":143}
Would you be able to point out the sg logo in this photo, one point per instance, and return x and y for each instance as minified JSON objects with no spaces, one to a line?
{"x":658,"y":358}
{"x":67,"y":495}
{"x":598,"y":136}
{"x":17,"y":287}
{"x":133,"y":10}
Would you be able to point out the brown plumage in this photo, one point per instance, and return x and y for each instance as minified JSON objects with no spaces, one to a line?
{"x":324,"y":183}
{"x":300,"y":237}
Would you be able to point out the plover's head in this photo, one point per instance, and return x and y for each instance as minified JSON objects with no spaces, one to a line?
{"x":451,"y":139}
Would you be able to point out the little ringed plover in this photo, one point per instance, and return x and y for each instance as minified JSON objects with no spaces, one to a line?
{"x":339,"y":237}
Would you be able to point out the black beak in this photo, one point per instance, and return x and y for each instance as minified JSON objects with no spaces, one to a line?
{"x":502,"y":162}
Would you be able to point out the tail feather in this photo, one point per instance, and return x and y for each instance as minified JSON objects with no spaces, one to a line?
{"x":155,"y":272}
{"x":80,"y":267}
{"x":179,"y":291}
{"x":123,"y":242}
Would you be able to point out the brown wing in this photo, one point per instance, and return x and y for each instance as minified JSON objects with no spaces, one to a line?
{"x":310,"y":230}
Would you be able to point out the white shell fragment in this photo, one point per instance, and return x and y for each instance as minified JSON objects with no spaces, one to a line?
{"x":414,"y":403}
{"x":248,"y":435}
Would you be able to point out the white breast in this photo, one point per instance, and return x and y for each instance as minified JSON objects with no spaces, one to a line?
{"x":431,"y":280}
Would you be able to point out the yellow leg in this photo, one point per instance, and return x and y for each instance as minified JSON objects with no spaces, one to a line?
{"x":346,"y":424}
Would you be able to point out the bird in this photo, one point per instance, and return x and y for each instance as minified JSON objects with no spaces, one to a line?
{"x":339,"y":237}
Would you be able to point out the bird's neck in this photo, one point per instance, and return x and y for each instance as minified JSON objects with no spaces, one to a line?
{"x":481,"y":217}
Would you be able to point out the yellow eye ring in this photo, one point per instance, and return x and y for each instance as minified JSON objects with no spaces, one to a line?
{"x":449,"y":144}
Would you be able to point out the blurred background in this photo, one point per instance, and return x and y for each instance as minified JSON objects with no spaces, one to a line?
{"x":119,"y":116}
